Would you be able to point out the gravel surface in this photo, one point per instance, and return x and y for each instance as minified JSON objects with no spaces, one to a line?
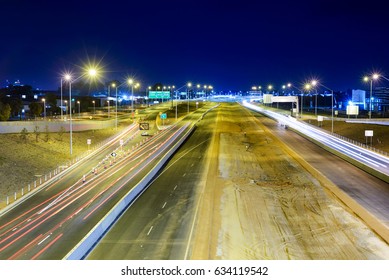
{"x":260,"y":203}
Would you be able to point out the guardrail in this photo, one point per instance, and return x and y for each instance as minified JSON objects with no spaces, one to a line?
{"x":12,"y":200}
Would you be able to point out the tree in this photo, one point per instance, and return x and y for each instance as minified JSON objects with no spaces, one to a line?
{"x":24,"y":134}
{"x":60,"y":133}
{"x":47,"y":134}
{"x":37,"y":133}
{"x":35,"y":109}
{"x":5,"y":111}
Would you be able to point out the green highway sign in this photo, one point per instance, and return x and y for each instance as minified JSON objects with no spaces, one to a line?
{"x":159,"y":94}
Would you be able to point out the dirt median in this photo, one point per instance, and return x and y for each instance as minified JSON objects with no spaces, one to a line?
{"x":260,"y":202}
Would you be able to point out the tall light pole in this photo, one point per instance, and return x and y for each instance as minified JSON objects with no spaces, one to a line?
{"x":148,"y":93}
{"x":108,"y":108}
{"x":94,"y":107}
{"x":131,"y":83}
{"x":66,"y":107}
{"x":91,"y":73}
{"x":137,"y":85}
{"x":314,"y":83}
{"x":61,"y":100}
{"x":44,"y":108}
{"x":187,"y":93}
{"x":366,"y":79}
{"x":307,"y":87}
{"x":79,"y":108}
{"x":332,"y":104}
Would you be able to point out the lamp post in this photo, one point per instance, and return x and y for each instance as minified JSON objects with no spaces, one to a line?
{"x":94,"y":107}
{"x":187,"y":94}
{"x":332,"y":104}
{"x":108,"y":108}
{"x":148,"y":94}
{"x":66,"y":107}
{"x":79,"y":108}
{"x":366,"y":79}
{"x":44,"y":108}
{"x":61,"y":100}
{"x":314,"y":83}
{"x":137,"y":85}
{"x":91,"y":73}
{"x":307,"y":87}
{"x":131,"y":83}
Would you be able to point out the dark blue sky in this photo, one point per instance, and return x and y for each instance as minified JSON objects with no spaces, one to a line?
{"x":229,"y":44}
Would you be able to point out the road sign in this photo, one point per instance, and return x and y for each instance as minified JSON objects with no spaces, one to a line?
{"x":144,"y":126}
{"x":159,"y":94}
{"x":163,"y":116}
{"x":369,"y":133}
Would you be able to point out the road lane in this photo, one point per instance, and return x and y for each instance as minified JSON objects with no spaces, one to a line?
{"x":62,"y":214}
{"x":157,"y":225}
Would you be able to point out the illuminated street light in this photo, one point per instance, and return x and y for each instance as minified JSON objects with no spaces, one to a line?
{"x":332,"y":103}
{"x":79,"y":108}
{"x":314,"y":83}
{"x":91,"y":73}
{"x":374,"y":76}
{"x":94,"y":107}
{"x":44,"y":108}
{"x":66,"y":107}
{"x":187,"y":93}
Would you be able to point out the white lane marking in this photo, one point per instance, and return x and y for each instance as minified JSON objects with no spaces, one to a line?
{"x":15,"y":229}
{"x":175,"y":188}
{"x":150,"y":230}
{"x":184,"y":175}
{"x":164,"y":205}
{"x":44,"y":239}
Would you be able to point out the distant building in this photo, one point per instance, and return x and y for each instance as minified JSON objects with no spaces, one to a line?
{"x":358,"y":97}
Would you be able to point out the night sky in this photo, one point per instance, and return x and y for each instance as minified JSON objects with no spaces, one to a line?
{"x":231,"y":45}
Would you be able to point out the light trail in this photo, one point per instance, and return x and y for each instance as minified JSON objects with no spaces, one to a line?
{"x":364,"y":156}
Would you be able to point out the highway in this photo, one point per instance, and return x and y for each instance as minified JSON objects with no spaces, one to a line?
{"x":366,"y":157}
{"x":164,"y":221}
{"x":51,"y":222}
{"x":159,"y":224}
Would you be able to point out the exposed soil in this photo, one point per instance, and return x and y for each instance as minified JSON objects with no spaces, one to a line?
{"x":259,"y":202}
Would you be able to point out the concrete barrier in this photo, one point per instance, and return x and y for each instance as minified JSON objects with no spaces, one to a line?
{"x":54,"y":126}
{"x":81,"y":250}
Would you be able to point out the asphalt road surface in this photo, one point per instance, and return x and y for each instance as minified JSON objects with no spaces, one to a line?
{"x":50,"y":223}
{"x":223,"y":197}
{"x":158,"y":225}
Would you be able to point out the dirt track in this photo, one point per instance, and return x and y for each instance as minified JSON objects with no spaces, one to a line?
{"x":260,"y":203}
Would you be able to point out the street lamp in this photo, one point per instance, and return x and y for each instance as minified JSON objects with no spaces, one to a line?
{"x":94,"y":107}
{"x":314,"y":83}
{"x":148,"y":95}
{"x":108,"y":108}
{"x":66,"y":107}
{"x":332,"y":103}
{"x":79,"y":110}
{"x":375,"y":76}
{"x":306,"y":87}
{"x":187,"y":93}
{"x":131,"y":83}
{"x":92,"y":73}
{"x":44,"y":108}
